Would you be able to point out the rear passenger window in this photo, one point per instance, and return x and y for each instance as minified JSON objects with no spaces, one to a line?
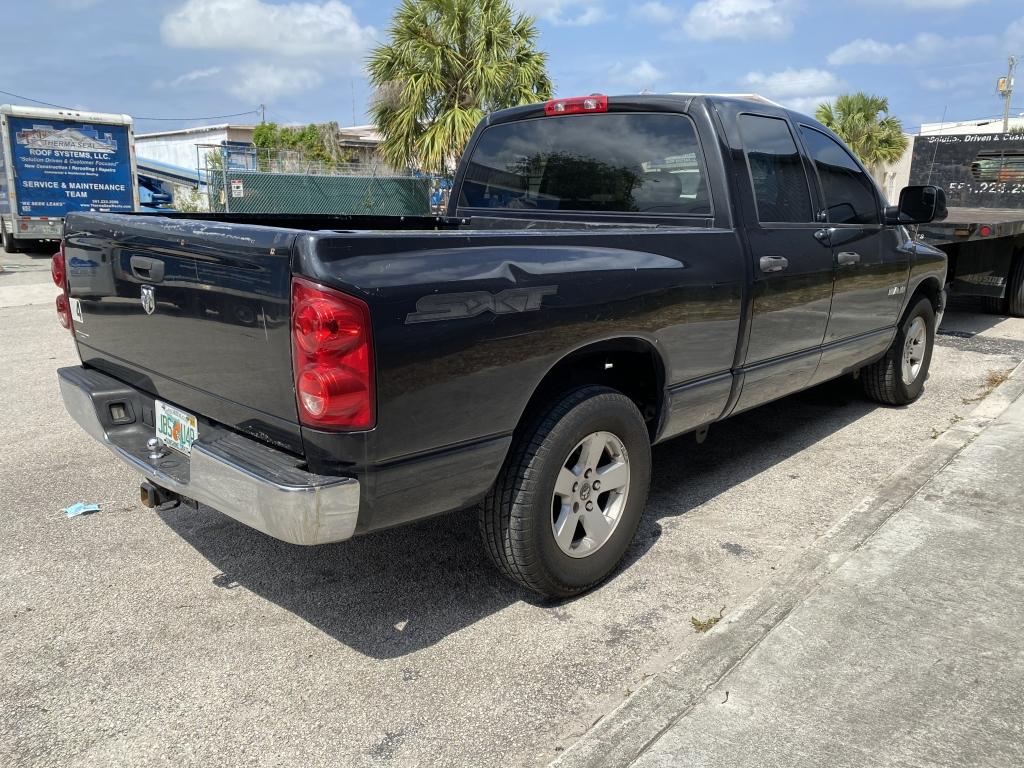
{"x":607,"y":162}
{"x":776,"y":171}
{"x":849,"y":192}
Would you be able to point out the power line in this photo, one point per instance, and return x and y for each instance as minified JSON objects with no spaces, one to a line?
{"x":34,"y":101}
{"x":207,"y":117}
{"x":159,"y":119}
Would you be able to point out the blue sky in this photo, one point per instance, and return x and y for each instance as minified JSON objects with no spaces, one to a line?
{"x":303,"y":58}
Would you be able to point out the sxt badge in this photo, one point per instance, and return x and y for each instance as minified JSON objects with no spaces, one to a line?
{"x":451,"y":306}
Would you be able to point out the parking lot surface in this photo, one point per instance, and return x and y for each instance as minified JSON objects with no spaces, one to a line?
{"x":181,"y":637}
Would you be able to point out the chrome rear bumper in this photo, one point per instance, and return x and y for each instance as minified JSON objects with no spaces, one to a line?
{"x":251,"y":482}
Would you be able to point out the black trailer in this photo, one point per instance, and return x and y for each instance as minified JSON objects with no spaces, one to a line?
{"x":983,"y":175}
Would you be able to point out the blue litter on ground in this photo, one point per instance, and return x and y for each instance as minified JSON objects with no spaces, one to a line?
{"x":81,"y":508}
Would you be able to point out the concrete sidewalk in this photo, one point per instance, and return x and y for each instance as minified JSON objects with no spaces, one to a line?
{"x":898,"y":640}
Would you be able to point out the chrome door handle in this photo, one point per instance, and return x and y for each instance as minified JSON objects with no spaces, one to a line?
{"x":846,"y":258}
{"x":773,"y":263}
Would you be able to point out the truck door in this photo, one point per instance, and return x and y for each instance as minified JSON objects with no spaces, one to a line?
{"x":792,"y":264}
{"x":871,"y":265}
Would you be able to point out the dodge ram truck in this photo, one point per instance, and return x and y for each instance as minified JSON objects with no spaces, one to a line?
{"x":611,"y":273}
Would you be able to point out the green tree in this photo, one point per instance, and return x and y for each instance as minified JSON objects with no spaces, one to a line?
{"x":863,"y":122}
{"x":448,"y":63}
{"x":319,"y":142}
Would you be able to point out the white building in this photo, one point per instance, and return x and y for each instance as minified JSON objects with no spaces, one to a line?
{"x":180,"y":147}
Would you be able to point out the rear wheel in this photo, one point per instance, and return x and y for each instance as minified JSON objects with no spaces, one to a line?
{"x":1015,"y":287}
{"x":9,"y":243}
{"x":898,"y":377}
{"x":571,"y":494}
{"x":993,"y":305}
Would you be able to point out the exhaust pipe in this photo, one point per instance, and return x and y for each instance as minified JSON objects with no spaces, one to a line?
{"x":153,"y":496}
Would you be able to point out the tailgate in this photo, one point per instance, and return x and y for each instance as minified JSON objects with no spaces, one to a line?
{"x":195,"y":313}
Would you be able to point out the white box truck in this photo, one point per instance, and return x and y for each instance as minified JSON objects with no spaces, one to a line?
{"x":58,"y":161}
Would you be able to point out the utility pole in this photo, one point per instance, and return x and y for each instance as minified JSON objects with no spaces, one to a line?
{"x":1006,"y":91}
{"x":263,"y":113}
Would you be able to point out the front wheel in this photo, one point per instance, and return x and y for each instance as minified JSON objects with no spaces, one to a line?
{"x":898,"y":378}
{"x":569,"y":498}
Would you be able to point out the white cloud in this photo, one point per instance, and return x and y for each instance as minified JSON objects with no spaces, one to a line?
{"x":290,"y":29}
{"x":807,"y":105}
{"x":640,"y":76}
{"x":257,"y":82}
{"x":799,"y":89}
{"x":863,"y":49}
{"x":792,"y":82}
{"x":923,"y":48}
{"x":654,"y":12}
{"x":1014,"y":35}
{"x":955,"y":82}
{"x":739,"y":19}
{"x":568,"y":13}
{"x":196,"y":75}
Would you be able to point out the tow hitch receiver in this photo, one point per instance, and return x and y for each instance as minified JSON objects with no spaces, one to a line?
{"x":153,"y":496}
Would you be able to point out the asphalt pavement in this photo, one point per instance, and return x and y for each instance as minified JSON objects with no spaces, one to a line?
{"x":129,"y":637}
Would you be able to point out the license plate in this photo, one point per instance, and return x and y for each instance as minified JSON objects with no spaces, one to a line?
{"x":175,"y":428}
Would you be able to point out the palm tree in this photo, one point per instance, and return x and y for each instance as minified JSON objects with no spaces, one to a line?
{"x":448,"y":63}
{"x":863,"y":122}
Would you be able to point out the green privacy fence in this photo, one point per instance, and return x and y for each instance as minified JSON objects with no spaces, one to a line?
{"x":238,"y":191}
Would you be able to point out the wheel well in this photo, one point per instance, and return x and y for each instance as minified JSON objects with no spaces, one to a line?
{"x":931,"y":290}
{"x":630,"y":365}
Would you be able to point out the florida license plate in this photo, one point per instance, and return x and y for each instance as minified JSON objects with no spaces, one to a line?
{"x":175,"y":428}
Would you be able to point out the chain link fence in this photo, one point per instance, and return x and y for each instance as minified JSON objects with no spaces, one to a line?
{"x":248,"y":179}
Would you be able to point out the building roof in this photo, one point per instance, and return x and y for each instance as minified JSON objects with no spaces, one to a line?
{"x":197,"y":130}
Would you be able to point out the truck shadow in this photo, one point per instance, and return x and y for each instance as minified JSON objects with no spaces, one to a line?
{"x":967,"y":316}
{"x":394,"y":592}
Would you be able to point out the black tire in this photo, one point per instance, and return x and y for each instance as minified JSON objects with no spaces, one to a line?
{"x":9,"y":243}
{"x":1015,"y":287}
{"x":516,"y":516}
{"x":993,"y":306}
{"x":883,"y":380}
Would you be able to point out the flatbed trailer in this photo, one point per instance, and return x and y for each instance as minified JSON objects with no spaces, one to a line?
{"x":983,"y":235}
{"x":985,"y":247}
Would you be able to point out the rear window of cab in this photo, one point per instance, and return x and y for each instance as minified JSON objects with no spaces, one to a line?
{"x":644,"y":163}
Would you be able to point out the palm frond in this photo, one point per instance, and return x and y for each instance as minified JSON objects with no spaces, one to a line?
{"x":862,"y":121}
{"x":447,"y":63}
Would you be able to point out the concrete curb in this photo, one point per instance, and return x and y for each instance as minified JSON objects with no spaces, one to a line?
{"x":638,"y":722}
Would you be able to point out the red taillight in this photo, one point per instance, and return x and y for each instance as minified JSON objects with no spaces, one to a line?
{"x":59,"y":273}
{"x":57,"y":267}
{"x":985,"y":230}
{"x":63,"y":310}
{"x":332,"y":353}
{"x":576,"y":105}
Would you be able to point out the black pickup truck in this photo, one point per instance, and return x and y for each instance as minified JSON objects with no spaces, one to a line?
{"x":613,"y":272}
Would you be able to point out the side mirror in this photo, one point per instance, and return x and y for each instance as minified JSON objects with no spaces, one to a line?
{"x":918,"y":205}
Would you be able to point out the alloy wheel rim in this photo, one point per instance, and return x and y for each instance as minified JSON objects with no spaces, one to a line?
{"x":914,"y":348}
{"x":590,"y":494}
